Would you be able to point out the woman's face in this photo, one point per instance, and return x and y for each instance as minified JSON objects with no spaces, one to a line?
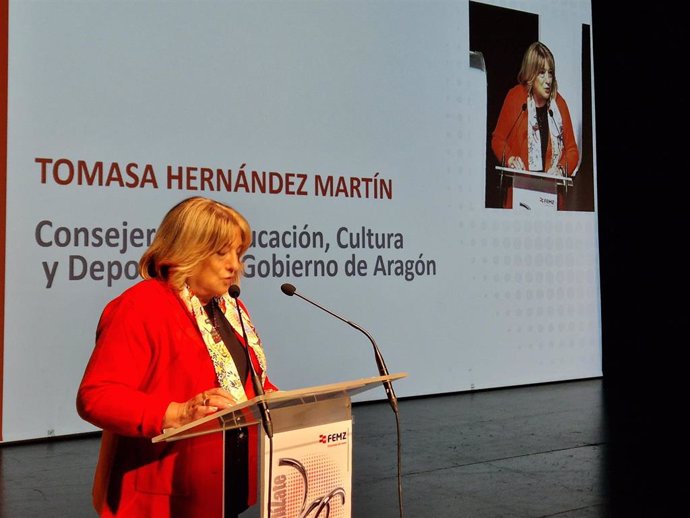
{"x":541,"y":86}
{"x":214,"y":275}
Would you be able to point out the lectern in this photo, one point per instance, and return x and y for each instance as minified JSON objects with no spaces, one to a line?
{"x":534,"y":190}
{"x":306,"y":469}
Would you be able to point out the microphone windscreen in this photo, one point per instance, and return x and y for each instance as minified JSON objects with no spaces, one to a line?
{"x":234,"y":291}
{"x":288,"y":289}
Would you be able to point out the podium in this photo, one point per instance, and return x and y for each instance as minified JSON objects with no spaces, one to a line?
{"x":534,"y":190}
{"x":307,"y":466}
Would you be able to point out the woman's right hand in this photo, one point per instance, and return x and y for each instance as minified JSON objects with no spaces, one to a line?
{"x":203,"y":404}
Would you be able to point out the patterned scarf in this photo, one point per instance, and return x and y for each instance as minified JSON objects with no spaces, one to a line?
{"x":534,"y":138}
{"x":225,"y":368}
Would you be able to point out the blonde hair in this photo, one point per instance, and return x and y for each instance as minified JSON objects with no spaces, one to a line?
{"x":190,"y":232}
{"x":536,"y":58}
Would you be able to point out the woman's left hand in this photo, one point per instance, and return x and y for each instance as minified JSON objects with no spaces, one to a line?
{"x":205,"y":403}
{"x":515,"y":162}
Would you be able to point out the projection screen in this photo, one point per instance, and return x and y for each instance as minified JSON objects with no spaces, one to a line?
{"x":353,"y":135}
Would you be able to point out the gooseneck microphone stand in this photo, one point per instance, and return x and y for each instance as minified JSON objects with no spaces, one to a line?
{"x":290,"y":290}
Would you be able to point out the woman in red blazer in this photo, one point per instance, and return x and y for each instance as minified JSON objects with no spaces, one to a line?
{"x":534,"y":131}
{"x":168,"y":351}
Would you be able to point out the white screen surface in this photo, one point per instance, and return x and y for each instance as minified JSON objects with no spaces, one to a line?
{"x":373,"y":94}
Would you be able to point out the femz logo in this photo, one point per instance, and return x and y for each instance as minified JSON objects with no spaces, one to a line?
{"x":332,"y":437}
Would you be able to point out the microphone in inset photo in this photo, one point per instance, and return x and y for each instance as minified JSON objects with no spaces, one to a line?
{"x":560,"y":138}
{"x":505,"y":144}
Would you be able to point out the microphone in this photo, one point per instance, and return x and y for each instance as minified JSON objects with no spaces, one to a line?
{"x":505,"y":145}
{"x":560,"y":137}
{"x":234,"y":292}
{"x":290,"y":290}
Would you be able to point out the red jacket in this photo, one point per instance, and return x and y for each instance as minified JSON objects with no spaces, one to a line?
{"x":148,"y":353}
{"x":506,"y":143}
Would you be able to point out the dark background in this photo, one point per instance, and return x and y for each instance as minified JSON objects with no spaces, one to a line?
{"x":639,"y":96}
{"x":501,"y":35}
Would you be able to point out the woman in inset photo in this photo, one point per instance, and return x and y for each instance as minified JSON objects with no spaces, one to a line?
{"x":534,"y":131}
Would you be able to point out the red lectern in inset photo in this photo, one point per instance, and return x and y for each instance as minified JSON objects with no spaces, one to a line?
{"x":534,"y":190}
{"x":306,"y":468}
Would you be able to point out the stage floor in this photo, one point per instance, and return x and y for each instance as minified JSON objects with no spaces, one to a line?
{"x":536,"y":451}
